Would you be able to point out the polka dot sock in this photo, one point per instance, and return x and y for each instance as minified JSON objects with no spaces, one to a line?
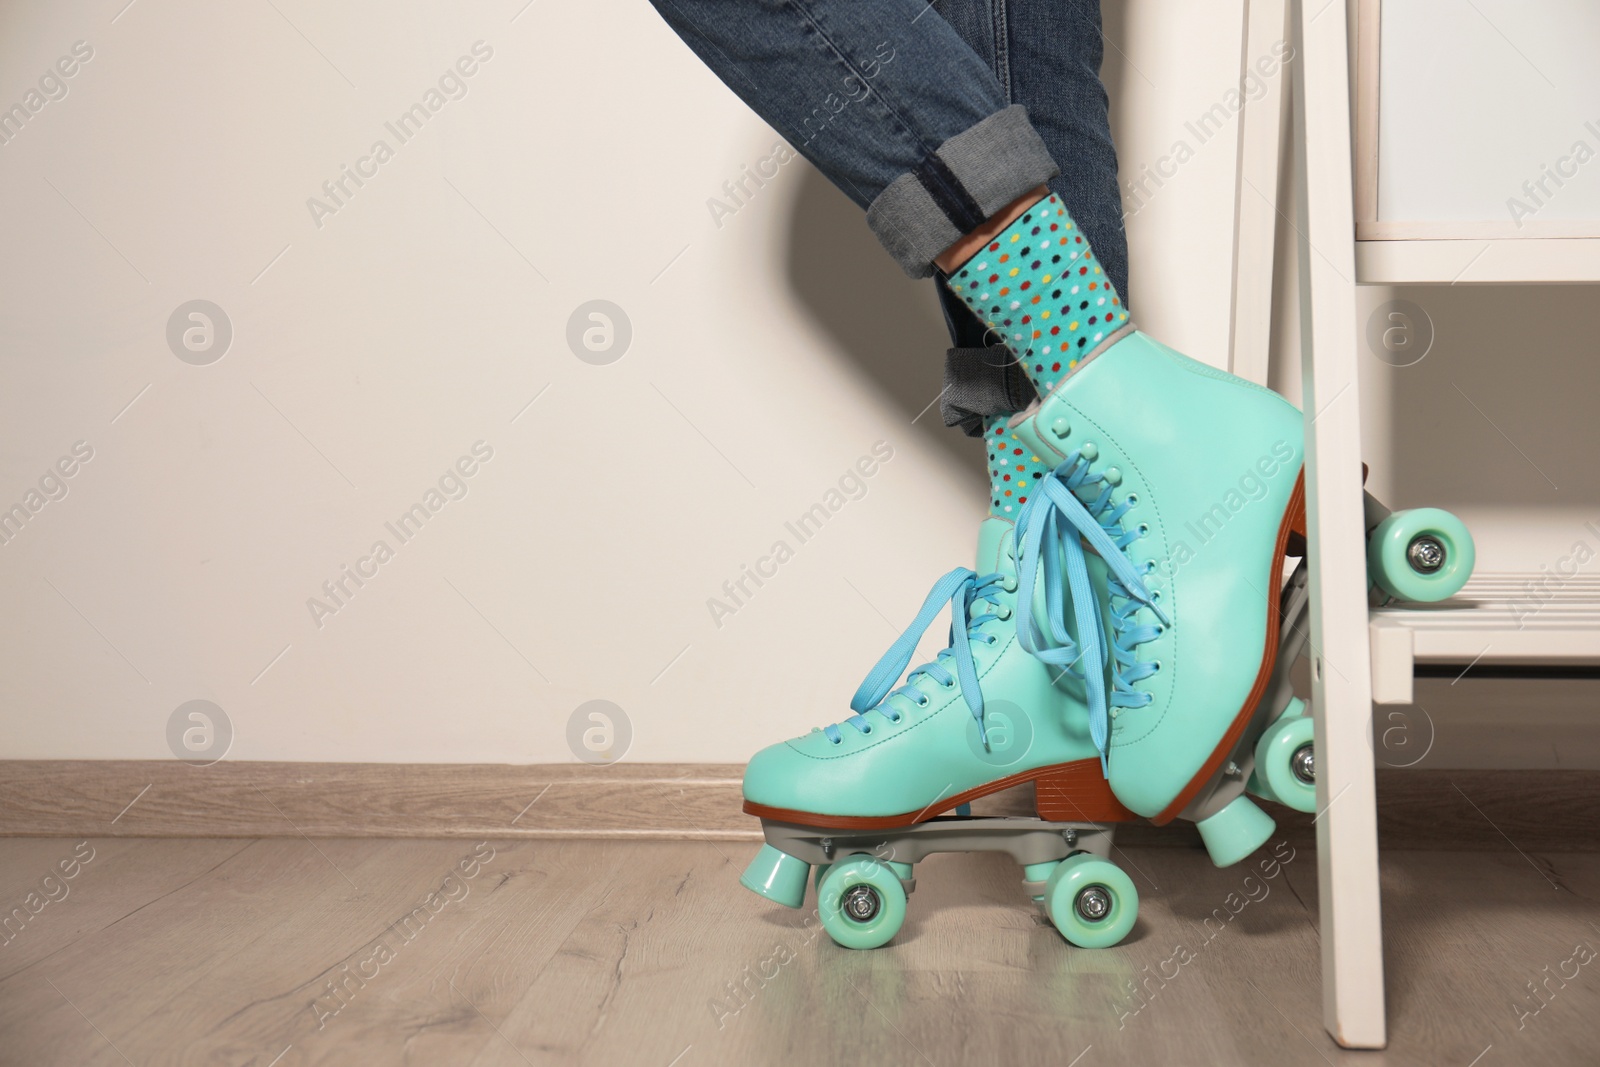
{"x":1014,"y":469}
{"x":1039,"y":286}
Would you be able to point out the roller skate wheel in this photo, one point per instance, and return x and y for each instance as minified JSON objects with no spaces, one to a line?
{"x":1257,"y":786}
{"x":1091,"y":901}
{"x":861,"y":902}
{"x":1304,"y":763}
{"x":1286,"y":760}
{"x":1425,"y":554}
{"x":1422,"y":555}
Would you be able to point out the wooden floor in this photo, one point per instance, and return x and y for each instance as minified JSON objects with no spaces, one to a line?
{"x":288,"y":952}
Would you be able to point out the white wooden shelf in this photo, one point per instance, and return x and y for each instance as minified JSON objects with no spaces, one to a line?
{"x":1449,"y":83}
{"x":1541,"y":260}
{"x":1496,"y":620}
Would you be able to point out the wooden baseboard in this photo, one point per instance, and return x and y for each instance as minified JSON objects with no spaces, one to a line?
{"x":166,"y":798}
{"x":1418,"y":809}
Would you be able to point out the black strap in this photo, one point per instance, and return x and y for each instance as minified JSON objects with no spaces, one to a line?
{"x":980,"y":382}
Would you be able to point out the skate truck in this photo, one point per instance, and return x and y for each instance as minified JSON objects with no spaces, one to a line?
{"x":863,"y":874}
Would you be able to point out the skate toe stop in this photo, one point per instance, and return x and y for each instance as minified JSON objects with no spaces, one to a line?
{"x":777,"y":876}
{"x":1236,"y":831}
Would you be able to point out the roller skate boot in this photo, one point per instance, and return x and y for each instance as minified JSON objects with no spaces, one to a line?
{"x":1184,"y":480}
{"x":865,"y":799}
{"x":1201,"y":491}
{"x":983,"y":716}
{"x":1187,"y":483}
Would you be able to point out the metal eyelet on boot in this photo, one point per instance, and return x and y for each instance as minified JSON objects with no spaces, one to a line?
{"x":1004,"y":613}
{"x":1089,"y":451}
{"x":1009,"y":584}
{"x":1061,"y":427}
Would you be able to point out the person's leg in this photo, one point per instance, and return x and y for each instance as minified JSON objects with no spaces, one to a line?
{"x":929,"y":147}
{"x":894,"y":108}
{"x":1038,"y":283}
{"x":1047,"y":58}
{"x":887,"y":100}
{"x":1054,"y":61}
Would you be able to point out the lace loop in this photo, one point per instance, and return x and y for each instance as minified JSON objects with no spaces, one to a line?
{"x":1055,"y":526}
{"x":962,"y":589}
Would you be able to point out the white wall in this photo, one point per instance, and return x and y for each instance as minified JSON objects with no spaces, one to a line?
{"x":369,"y":352}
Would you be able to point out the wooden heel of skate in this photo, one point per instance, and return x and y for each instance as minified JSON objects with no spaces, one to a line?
{"x":1078,"y":792}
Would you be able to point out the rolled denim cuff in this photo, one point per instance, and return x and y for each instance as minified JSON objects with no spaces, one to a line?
{"x":980,"y":382}
{"x":958,"y":187}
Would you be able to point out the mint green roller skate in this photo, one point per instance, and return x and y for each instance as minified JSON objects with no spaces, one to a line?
{"x":1197,"y":478}
{"x":1184,"y":480}
{"x":985,"y":715}
{"x":1200,"y":709}
{"x":864,"y":800}
{"x":1185,"y":483}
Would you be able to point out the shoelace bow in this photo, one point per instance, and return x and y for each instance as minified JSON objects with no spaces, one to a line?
{"x":1052,"y":528}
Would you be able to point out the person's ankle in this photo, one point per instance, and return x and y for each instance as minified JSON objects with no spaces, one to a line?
{"x":1040,"y":292}
{"x":973,"y":243}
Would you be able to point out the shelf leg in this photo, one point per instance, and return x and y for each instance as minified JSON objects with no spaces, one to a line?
{"x":1347,"y":840}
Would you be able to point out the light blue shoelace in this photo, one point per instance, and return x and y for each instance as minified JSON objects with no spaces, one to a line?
{"x":962,"y":589}
{"x":1053,"y":527}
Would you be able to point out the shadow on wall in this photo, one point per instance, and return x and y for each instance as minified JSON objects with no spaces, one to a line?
{"x":1117,"y":75}
{"x":1115,"y":72}
{"x":1502,"y":405}
{"x":887,"y":325}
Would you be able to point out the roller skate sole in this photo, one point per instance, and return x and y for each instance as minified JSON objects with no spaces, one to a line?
{"x":1063,"y":791}
{"x":1292,"y":523}
{"x":1272,"y":747}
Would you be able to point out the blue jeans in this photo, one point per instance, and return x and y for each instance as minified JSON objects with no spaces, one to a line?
{"x":932,"y":117}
